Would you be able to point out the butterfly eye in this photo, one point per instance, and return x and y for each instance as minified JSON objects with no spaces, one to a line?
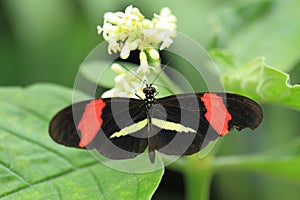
{"x":153,"y":89}
{"x":146,"y":90}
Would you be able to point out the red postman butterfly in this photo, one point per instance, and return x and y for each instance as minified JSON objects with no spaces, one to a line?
{"x":182,"y":124}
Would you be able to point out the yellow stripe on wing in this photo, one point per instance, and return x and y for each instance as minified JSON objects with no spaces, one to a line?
{"x":171,"y":126}
{"x":130,"y":129}
{"x":157,"y":122}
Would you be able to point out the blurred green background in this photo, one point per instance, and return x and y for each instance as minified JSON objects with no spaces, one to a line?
{"x":46,"y":41}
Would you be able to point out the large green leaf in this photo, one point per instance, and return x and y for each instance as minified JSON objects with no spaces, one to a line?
{"x":268,"y":85}
{"x":262,"y":27}
{"x":32,"y":166}
{"x":257,"y":80}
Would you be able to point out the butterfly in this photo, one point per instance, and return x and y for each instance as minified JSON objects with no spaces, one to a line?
{"x":181,"y":124}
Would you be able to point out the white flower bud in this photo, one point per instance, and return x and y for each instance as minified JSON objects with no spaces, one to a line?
{"x":154,"y":54}
{"x":108,"y":93}
{"x":118,"y":78}
{"x":166,"y":43}
{"x":143,"y":56}
{"x":118,"y":69}
{"x":99,"y":30}
{"x":137,"y":12}
{"x":125,"y":52}
{"x":165,"y":11}
{"x":112,"y":18}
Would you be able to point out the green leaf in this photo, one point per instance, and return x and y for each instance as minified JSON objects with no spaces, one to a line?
{"x":259,"y":81}
{"x":263,"y":27}
{"x":32,"y":166}
{"x":268,"y":85}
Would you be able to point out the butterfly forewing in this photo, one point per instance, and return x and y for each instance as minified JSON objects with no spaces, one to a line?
{"x":62,"y":127}
{"x":245,"y":112}
{"x":119,"y":136}
{"x":91,"y":124}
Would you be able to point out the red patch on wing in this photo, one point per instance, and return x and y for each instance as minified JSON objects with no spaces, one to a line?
{"x":216,"y":113}
{"x":91,"y":121}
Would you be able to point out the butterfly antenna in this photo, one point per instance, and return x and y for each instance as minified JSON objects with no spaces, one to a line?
{"x":134,"y":74}
{"x":158,"y":74}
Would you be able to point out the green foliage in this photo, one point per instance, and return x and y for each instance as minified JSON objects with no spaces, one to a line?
{"x":259,"y":81}
{"x":32,"y":166}
{"x":262,"y":28}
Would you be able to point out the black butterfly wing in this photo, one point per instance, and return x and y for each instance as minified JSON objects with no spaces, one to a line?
{"x":182,"y":110}
{"x":245,"y":112}
{"x":208,"y":115}
{"x":90,"y":124}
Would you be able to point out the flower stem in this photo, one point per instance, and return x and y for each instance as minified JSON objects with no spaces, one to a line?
{"x":198,"y":174}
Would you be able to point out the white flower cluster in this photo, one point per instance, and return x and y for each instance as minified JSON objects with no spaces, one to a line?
{"x":130,"y":30}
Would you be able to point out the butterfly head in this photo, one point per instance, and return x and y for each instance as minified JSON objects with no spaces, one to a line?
{"x":149,"y":91}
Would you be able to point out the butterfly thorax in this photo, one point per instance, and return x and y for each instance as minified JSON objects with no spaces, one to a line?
{"x":150,"y":93}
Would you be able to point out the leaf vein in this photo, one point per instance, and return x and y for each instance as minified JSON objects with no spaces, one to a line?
{"x":50,"y":179}
{"x":58,"y":154}
{"x":98,"y":185}
{"x":15,"y":173}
